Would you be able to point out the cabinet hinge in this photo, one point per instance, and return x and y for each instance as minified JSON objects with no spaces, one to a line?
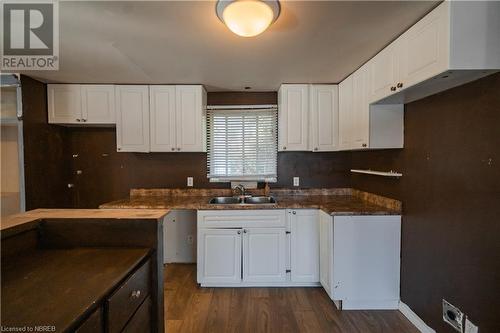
{"x":288,"y":232}
{"x":288,"y":270}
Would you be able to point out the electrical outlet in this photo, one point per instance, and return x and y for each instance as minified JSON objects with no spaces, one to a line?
{"x":190,"y":181}
{"x":453,"y":316}
{"x":190,"y":239}
{"x":296,"y":181}
{"x":470,"y":327}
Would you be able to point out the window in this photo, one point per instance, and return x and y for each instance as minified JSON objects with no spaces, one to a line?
{"x":242,"y":144}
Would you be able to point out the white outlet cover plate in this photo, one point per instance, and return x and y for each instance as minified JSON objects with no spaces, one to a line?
{"x":296,"y":181}
{"x":189,"y":181}
{"x":470,"y":327}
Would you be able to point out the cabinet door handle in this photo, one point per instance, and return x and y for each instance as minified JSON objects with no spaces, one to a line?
{"x":316,"y":149}
{"x":364,"y":145}
{"x":294,"y":212}
{"x":244,"y":231}
{"x":136,"y":294}
{"x":178,"y":149}
{"x":84,"y":120}
{"x":393,"y":88}
{"x":173,"y":149}
{"x":400,"y":85}
{"x":239,"y":232}
{"x":78,"y":119}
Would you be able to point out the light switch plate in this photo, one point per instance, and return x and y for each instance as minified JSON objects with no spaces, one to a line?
{"x":470,"y":327}
{"x":296,"y":181}
{"x":190,"y":181}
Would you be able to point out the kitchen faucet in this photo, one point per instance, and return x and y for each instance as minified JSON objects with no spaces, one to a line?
{"x":241,"y":189}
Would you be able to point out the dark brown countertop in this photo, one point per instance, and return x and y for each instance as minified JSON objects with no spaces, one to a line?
{"x":333,"y":202}
{"x":59,"y":287}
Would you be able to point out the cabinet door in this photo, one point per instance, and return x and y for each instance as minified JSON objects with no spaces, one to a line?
{"x":293,"y":117}
{"x":326,"y":252}
{"x":219,"y":256}
{"x":384,"y":72}
{"x":424,"y":48}
{"x":304,"y":247}
{"x":360,"y":125}
{"x":367,"y":260}
{"x":264,"y":258}
{"x":64,"y":103}
{"x":162,"y":118}
{"x":190,"y":109}
{"x":98,"y":104}
{"x":132,"y":118}
{"x":324,"y":117}
{"x":345,"y":113}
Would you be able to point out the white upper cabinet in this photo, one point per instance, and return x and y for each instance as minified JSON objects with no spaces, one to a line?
{"x":324,"y":101}
{"x":64,"y":103}
{"x":345,"y":113}
{"x":364,"y":126}
{"x":354,"y":111}
{"x":162,"y":118}
{"x":171,"y":119}
{"x":384,"y":69}
{"x":190,"y":115}
{"x":132,"y":118}
{"x":444,"y":49}
{"x":360,"y":133}
{"x":424,"y":49}
{"x":81,"y":104}
{"x":98,"y":104}
{"x":293,"y":117}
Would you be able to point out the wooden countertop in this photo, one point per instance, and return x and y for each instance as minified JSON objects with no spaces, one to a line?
{"x":60,"y":287}
{"x":37,"y":214}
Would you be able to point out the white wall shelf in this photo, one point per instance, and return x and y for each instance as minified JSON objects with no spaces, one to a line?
{"x":378,"y":173}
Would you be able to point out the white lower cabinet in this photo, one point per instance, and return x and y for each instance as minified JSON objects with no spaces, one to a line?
{"x":326,"y":252}
{"x":355,"y":258}
{"x":360,"y":260}
{"x":219,"y":255}
{"x":264,"y":255}
{"x":304,"y":245}
{"x":252,"y":248}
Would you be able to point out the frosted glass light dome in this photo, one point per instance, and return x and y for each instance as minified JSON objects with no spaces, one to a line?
{"x":247,"y":18}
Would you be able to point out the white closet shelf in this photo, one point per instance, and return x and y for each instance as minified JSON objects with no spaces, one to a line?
{"x":378,"y":173}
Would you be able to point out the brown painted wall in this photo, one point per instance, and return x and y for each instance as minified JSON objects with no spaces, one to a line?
{"x":46,"y":158}
{"x":451,"y":200}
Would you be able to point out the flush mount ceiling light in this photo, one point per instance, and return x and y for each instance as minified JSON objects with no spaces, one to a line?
{"x":247,"y":18}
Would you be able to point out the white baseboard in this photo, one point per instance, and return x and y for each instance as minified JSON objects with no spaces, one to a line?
{"x":414,"y":318}
{"x":370,"y":304}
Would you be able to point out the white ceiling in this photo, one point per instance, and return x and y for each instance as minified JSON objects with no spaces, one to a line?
{"x":184,"y":42}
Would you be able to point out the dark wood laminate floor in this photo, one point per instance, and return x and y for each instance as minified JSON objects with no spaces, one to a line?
{"x":190,"y":308}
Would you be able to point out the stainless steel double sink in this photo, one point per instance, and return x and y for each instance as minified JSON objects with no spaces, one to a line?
{"x":261,"y":200}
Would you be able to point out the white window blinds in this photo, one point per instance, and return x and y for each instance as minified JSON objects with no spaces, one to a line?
{"x":242,"y":144}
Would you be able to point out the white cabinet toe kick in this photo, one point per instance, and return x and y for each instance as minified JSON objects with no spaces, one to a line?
{"x":355,"y":258}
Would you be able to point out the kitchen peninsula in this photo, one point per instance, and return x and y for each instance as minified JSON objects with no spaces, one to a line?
{"x":83,"y":270}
